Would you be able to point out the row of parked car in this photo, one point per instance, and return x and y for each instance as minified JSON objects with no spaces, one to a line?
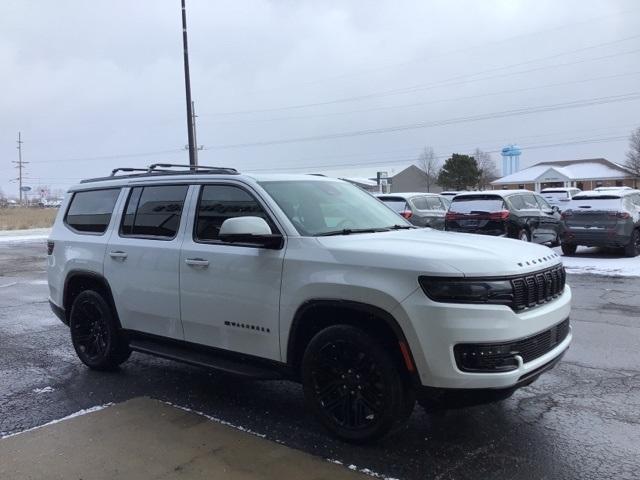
{"x":605,"y":217}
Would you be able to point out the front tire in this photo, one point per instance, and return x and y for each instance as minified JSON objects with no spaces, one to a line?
{"x":353,"y":385}
{"x":633,"y":247}
{"x":95,"y":335}
{"x":569,"y":249}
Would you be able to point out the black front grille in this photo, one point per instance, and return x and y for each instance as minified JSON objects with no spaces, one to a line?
{"x":537,"y":288}
{"x":500,"y":357}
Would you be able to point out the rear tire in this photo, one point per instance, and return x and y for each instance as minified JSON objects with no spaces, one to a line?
{"x":353,"y":385}
{"x":633,"y":247}
{"x":96,"y":337}
{"x":569,"y":249}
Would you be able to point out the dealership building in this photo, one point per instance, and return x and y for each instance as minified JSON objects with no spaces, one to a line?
{"x":585,"y":174}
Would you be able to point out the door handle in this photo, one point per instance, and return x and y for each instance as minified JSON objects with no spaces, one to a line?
{"x":197,"y":262}
{"x":118,"y":254}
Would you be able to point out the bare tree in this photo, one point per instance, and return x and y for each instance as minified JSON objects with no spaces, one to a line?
{"x":487,"y":168}
{"x":430,"y":165}
{"x":633,"y":155}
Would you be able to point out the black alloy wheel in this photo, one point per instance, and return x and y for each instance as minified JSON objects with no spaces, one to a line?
{"x":94,"y":333}
{"x":352,"y":384}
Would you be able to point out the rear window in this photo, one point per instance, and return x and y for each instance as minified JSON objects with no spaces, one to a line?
{"x":477,"y":204}
{"x":397,"y":204}
{"x":154,"y":212}
{"x":91,"y":211}
{"x":557,"y":195}
{"x":602,"y":202}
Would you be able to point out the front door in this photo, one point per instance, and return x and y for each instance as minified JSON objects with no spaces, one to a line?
{"x":230,"y":293}
{"x":142,"y":260}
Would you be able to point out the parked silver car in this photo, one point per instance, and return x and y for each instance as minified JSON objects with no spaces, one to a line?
{"x":609,"y":218}
{"x":421,"y":209}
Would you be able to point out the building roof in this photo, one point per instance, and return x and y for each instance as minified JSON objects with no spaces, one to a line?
{"x":584,"y":169}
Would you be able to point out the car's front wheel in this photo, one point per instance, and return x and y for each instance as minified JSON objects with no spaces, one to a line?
{"x":96,"y":337}
{"x":633,"y":247}
{"x":569,"y":248}
{"x":353,"y":385}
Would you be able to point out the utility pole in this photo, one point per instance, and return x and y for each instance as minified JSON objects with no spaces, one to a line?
{"x":187,"y":84}
{"x":20,"y":165}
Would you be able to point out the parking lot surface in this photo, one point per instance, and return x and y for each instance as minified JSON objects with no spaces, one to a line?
{"x":579,"y":421}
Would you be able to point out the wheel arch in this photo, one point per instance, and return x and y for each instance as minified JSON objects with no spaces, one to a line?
{"x":311,"y":317}
{"x":78,"y":281}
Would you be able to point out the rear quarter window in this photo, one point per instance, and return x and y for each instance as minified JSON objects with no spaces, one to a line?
{"x":90,"y":211}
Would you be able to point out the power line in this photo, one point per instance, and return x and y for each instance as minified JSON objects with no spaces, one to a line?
{"x":413,"y":158}
{"x":488,"y":116}
{"x":443,"y":100}
{"x":451,"y":80}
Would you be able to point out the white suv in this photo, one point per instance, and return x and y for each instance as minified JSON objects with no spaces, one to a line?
{"x":306,"y":278}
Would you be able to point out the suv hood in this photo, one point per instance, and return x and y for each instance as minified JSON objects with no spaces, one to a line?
{"x":434,"y":252}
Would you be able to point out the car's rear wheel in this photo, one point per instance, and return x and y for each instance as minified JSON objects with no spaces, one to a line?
{"x":569,"y":248}
{"x":633,"y":247}
{"x":353,"y":385}
{"x":96,"y":337}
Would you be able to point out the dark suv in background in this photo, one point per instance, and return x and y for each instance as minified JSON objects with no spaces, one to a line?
{"x":517,"y":214}
{"x":606,"y":218}
{"x":421,"y":209}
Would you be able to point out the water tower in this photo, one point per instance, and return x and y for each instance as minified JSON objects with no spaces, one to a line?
{"x":510,"y":159}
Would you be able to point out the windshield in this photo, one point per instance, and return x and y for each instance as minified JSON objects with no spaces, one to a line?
{"x":477,"y":204}
{"x":324,"y":207}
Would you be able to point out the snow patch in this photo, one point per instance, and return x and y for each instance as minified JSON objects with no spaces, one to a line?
{"x":365,"y":471}
{"x":79,"y":413}
{"x":43,"y":390}
{"x":218,"y":420}
{"x":594,"y":261}
{"x":20,"y":236}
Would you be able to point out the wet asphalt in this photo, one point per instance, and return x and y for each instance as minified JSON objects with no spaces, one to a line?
{"x":579,"y":421}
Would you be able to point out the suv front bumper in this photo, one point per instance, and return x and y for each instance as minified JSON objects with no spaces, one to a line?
{"x":433,"y":329}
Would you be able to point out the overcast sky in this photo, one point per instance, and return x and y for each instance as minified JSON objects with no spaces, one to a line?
{"x":340,"y":87}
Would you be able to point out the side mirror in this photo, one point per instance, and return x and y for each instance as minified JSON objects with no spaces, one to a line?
{"x":249,"y":230}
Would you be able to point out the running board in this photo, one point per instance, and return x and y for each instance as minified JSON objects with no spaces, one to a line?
{"x":200,"y":356}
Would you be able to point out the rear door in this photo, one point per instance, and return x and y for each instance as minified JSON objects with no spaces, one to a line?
{"x":142,"y":260}
{"x":230,"y":292}
{"x":430,"y":210}
{"x":532,"y":215}
{"x":549,"y":221}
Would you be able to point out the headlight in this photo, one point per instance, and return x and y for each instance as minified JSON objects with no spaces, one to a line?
{"x":460,"y":290}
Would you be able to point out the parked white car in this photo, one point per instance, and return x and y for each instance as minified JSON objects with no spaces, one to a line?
{"x":559,"y":197}
{"x":306,"y":278}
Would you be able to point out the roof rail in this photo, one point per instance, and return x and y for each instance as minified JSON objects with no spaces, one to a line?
{"x":158,"y":169}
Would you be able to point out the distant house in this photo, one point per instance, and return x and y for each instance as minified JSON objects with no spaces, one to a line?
{"x":412,"y":179}
{"x":585,"y":174}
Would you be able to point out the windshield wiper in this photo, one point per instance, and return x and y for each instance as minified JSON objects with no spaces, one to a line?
{"x":349,"y":231}
{"x":401,"y":227}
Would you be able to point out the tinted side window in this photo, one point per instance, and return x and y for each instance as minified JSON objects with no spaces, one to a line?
{"x":542,"y":203}
{"x":220,"y":202}
{"x":434,"y":203}
{"x":154,"y":211}
{"x":91,"y":211}
{"x":530,"y":202}
{"x":420,"y":203}
{"x":517,"y":202}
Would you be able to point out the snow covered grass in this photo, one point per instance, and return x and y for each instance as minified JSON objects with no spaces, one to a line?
{"x":23,"y":218}
{"x":596,"y":261}
{"x":18,"y":236}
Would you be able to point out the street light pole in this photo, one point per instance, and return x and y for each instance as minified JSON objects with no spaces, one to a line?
{"x":187,"y":83}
